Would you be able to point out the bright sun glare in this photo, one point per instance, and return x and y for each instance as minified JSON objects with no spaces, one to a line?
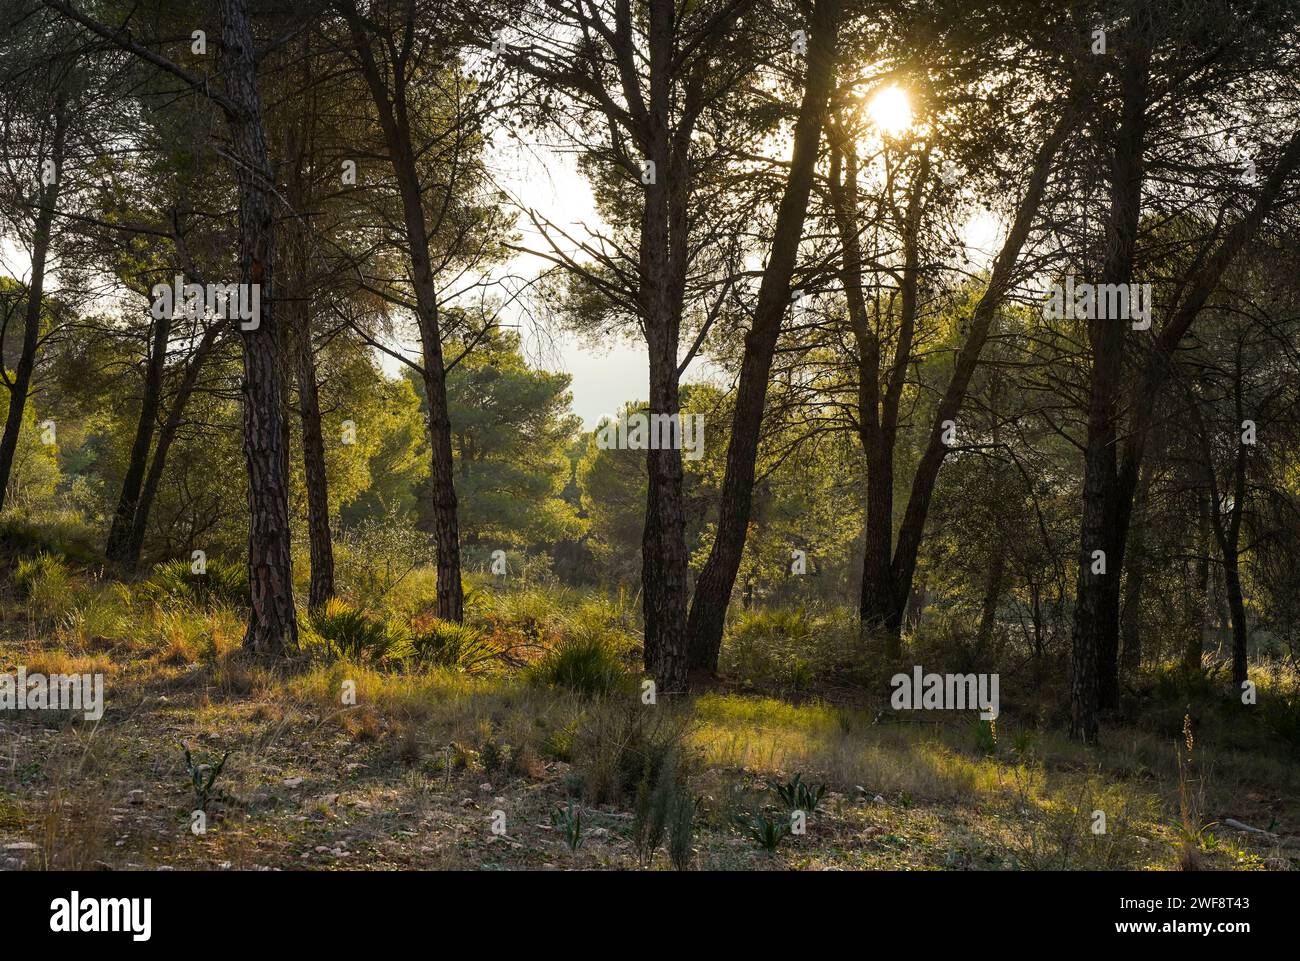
{"x":890,"y":111}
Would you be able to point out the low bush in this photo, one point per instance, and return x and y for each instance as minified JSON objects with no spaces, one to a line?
{"x":221,"y":582}
{"x":342,"y":632}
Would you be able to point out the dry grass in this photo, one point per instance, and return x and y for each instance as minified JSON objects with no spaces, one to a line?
{"x":402,"y":767}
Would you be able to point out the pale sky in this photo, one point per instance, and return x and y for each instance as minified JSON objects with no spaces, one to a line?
{"x":606,"y":374}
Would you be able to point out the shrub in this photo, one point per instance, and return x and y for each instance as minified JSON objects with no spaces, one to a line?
{"x":63,"y":532}
{"x":450,"y":645}
{"x":345,"y":633}
{"x":375,"y":555}
{"x":798,"y":795}
{"x":47,"y":582}
{"x":221,"y":583}
{"x":789,"y":650}
{"x":620,"y":745}
{"x":586,"y":664}
{"x":766,"y":832}
{"x":663,"y":807}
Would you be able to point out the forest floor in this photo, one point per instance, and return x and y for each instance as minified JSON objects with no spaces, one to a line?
{"x":447,"y":770}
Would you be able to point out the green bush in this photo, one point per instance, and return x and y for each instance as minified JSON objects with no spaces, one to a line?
{"x":586,"y":664}
{"x":345,"y":633}
{"x":221,"y":583}
{"x":447,"y":644}
{"x":47,"y":583}
{"x":62,"y":532}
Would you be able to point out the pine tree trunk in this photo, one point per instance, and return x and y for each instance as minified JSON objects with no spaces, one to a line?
{"x":391,"y":108}
{"x":273,"y":624}
{"x":153,"y":478}
{"x":119,"y":533}
{"x":1095,"y":650}
{"x":22,"y":382}
{"x":313,"y":456}
{"x":713,"y":587}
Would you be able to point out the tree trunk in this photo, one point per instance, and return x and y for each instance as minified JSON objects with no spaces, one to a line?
{"x":1197,"y":599}
{"x":140,"y":517}
{"x":1131,"y":617}
{"x":714,"y":585}
{"x":22,"y":382}
{"x":313,"y":456}
{"x":119,"y":533}
{"x":1237,"y":606}
{"x":1094,"y":661}
{"x":993,"y":587}
{"x":661,"y":281}
{"x":273,"y":623}
{"x":912,"y":528}
{"x":392,"y":114}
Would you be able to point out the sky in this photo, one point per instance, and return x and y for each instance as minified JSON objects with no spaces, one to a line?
{"x":605,"y":375}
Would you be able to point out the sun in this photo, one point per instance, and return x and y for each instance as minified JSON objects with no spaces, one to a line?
{"x":891,"y":111}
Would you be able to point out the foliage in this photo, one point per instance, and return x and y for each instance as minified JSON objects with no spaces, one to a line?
{"x":222,"y":582}
{"x":447,"y":644}
{"x":568,"y":822}
{"x":203,"y":777}
{"x":584,"y":663}
{"x":343,"y":632}
{"x":798,"y":795}
{"x":767,"y":832}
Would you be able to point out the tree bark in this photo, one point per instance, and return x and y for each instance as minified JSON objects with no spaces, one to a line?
{"x":1094,"y":662}
{"x":718,"y":576}
{"x":662,"y":271}
{"x":119,"y":533}
{"x":1136,"y":563}
{"x":392,"y":112}
{"x":273,"y":623}
{"x":20,"y":387}
{"x":313,"y":456}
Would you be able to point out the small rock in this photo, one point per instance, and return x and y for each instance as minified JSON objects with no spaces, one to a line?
{"x":135,"y":797}
{"x":291,"y":781}
{"x":22,"y":846}
{"x":1277,"y":864}
{"x":485,"y":787}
